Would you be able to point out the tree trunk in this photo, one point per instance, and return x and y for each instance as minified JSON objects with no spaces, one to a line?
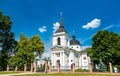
{"x":31,"y":67}
{"x":16,"y":68}
{"x":7,"y":67}
{"x":46,"y":67}
{"x":35,"y":67}
{"x":110,"y":65}
{"x":90,"y":67}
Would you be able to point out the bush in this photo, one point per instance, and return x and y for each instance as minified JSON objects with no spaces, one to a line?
{"x":79,"y":70}
{"x":85,"y":70}
{"x":40,"y":69}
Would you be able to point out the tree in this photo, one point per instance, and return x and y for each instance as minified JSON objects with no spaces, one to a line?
{"x":105,"y":46}
{"x":26,"y":50}
{"x":6,"y":40}
{"x":36,"y":45}
{"x":24,"y":54}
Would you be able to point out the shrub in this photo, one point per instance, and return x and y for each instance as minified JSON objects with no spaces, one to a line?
{"x":79,"y":70}
{"x":85,"y":70}
{"x":40,"y":69}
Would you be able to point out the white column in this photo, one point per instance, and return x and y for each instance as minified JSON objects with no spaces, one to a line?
{"x":63,"y":59}
{"x":52,"y":59}
{"x":70,"y":59}
{"x":73,"y":58}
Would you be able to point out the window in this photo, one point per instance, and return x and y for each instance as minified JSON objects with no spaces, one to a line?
{"x":84,"y":58}
{"x":58,"y":41}
{"x":58,"y":55}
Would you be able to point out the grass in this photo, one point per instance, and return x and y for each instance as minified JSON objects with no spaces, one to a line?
{"x":55,"y":74}
{"x":5,"y":72}
{"x":64,"y":74}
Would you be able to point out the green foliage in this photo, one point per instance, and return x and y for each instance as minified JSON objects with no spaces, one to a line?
{"x":6,"y":40}
{"x":102,"y":67}
{"x":41,"y":68}
{"x":81,"y":70}
{"x":23,"y":55}
{"x":117,"y":66}
{"x":36,"y":45}
{"x":26,"y":49}
{"x":105,"y":46}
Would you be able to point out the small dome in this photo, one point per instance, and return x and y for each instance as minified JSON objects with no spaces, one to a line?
{"x":74,"y":41}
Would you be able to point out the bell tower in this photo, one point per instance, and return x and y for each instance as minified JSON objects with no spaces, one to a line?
{"x":61,"y":37}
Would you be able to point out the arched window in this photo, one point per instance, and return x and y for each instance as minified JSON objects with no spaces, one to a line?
{"x":58,"y":41}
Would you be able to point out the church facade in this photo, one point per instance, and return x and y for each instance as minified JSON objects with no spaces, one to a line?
{"x":66,"y":52}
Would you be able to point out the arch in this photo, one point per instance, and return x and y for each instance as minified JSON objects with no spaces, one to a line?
{"x":58,"y":41}
{"x":58,"y":62}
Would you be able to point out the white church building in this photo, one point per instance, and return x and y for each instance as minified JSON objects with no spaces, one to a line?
{"x":66,"y":52}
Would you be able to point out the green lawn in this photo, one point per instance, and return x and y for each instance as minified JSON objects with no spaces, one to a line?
{"x":64,"y":74}
{"x":4,"y":72}
{"x":56,"y":74}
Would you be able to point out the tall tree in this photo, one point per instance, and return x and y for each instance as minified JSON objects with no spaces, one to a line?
{"x":105,"y":46}
{"x":24,"y":55}
{"x":6,"y":40}
{"x":27,"y":50}
{"x":36,"y":45}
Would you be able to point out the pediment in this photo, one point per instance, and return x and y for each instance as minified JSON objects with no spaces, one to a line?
{"x":57,"y":47}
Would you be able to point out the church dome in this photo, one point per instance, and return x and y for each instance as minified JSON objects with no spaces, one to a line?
{"x":74,"y":41}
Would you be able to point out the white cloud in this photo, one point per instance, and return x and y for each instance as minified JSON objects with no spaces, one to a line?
{"x":93,"y":24}
{"x":56,"y":26}
{"x":84,"y":47}
{"x":42,"y":29}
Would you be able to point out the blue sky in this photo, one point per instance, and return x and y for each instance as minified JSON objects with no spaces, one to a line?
{"x":84,"y":17}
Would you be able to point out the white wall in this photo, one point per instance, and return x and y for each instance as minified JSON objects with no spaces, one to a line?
{"x":76,"y":47}
{"x":63,"y":37}
{"x":71,"y":57}
{"x":84,"y":61}
{"x":54,"y":58}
